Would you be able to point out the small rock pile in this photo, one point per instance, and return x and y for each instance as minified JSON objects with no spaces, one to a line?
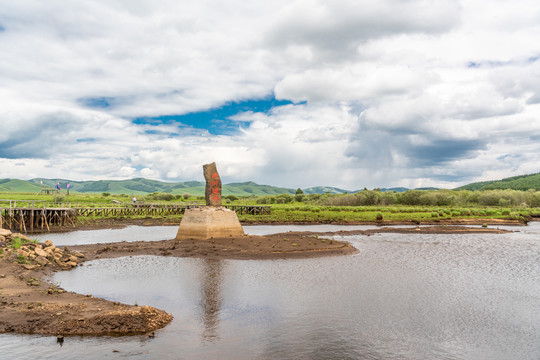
{"x":30,"y":254}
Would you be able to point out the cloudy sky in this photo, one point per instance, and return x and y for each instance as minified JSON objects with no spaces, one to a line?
{"x":295,"y":93}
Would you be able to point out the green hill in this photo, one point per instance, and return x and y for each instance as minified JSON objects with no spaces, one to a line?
{"x":15,"y":185}
{"x":140,"y":186}
{"x":324,"y":190}
{"x":522,"y":182}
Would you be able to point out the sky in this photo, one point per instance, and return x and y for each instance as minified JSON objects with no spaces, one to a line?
{"x":294,"y":93}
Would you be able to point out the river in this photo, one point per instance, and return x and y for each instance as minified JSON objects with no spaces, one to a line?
{"x":403,"y":296}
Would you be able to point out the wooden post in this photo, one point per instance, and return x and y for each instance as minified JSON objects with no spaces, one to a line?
{"x":22,"y":224}
{"x":32,"y":220}
{"x":45,"y":219}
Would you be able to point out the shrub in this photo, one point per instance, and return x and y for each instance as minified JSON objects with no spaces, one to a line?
{"x":106,"y":194}
{"x":434,"y":214}
{"x":379,"y":216}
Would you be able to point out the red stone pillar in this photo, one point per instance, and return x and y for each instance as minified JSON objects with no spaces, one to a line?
{"x":212,"y":192}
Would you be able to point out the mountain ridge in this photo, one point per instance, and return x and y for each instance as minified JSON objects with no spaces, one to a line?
{"x":142,"y":186}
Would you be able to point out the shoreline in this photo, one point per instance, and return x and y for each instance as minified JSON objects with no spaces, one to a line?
{"x":31,"y":304}
{"x":115,"y":223}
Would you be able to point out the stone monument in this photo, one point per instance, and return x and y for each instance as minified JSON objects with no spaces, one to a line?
{"x":212,"y":220}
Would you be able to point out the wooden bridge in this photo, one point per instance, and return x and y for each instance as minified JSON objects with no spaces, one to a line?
{"x":41,"y":216}
{"x":162,"y":210}
{"x":35,"y":219}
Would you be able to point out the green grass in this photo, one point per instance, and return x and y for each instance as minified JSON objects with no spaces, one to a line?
{"x":21,"y":259}
{"x":296,"y":212}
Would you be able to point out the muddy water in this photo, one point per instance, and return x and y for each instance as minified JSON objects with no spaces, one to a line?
{"x":154,"y":233}
{"x":404,"y":296}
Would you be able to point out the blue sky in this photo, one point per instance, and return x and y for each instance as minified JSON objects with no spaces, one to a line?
{"x":297,"y":93}
{"x":217,"y":121}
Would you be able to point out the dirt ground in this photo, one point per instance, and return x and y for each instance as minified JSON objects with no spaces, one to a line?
{"x":29,"y":303}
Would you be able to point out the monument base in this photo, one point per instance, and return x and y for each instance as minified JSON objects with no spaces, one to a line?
{"x":209,"y":222}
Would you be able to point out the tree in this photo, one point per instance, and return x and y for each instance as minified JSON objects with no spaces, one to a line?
{"x":299,"y":191}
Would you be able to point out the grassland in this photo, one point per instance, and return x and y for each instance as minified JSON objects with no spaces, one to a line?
{"x":299,"y":213}
{"x":313,"y":208}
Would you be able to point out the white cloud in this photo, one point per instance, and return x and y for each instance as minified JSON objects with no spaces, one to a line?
{"x":442,"y":91}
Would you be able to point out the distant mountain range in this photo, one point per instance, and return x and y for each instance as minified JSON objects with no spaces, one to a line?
{"x":140,"y":186}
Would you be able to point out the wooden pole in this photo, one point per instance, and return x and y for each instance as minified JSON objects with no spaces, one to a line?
{"x":22,"y":224}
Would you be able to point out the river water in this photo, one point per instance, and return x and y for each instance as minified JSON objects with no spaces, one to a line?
{"x":403,"y":296}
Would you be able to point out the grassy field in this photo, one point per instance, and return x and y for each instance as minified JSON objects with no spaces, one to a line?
{"x":295,"y":211}
{"x":393,"y":213}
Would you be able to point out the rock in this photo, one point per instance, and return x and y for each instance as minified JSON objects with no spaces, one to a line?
{"x":71,"y":263}
{"x":41,"y":260}
{"x":22,"y":252}
{"x":21,"y":236}
{"x":40,"y":252}
{"x":30,"y":267}
{"x":5,"y":233}
{"x":77,"y":254}
{"x":73,"y":258}
{"x":2,"y":243}
{"x":48,"y":243}
{"x":212,"y":193}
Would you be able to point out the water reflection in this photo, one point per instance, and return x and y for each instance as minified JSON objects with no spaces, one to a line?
{"x":403,"y":296}
{"x":211,"y":301}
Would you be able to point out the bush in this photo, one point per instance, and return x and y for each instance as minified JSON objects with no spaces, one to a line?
{"x":186,"y":196}
{"x":106,"y":194}
{"x":379,"y":216}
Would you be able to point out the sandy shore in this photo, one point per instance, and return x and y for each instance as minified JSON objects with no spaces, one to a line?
{"x":29,"y":303}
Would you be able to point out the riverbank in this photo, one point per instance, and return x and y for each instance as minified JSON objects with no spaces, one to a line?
{"x":118,"y":223}
{"x":31,"y":304}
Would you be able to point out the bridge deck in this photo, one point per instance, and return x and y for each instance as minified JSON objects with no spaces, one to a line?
{"x":30,"y":219}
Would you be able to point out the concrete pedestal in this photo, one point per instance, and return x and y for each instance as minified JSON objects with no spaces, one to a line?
{"x":209,"y":222}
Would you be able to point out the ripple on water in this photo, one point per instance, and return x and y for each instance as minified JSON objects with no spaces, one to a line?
{"x":403,"y":296}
